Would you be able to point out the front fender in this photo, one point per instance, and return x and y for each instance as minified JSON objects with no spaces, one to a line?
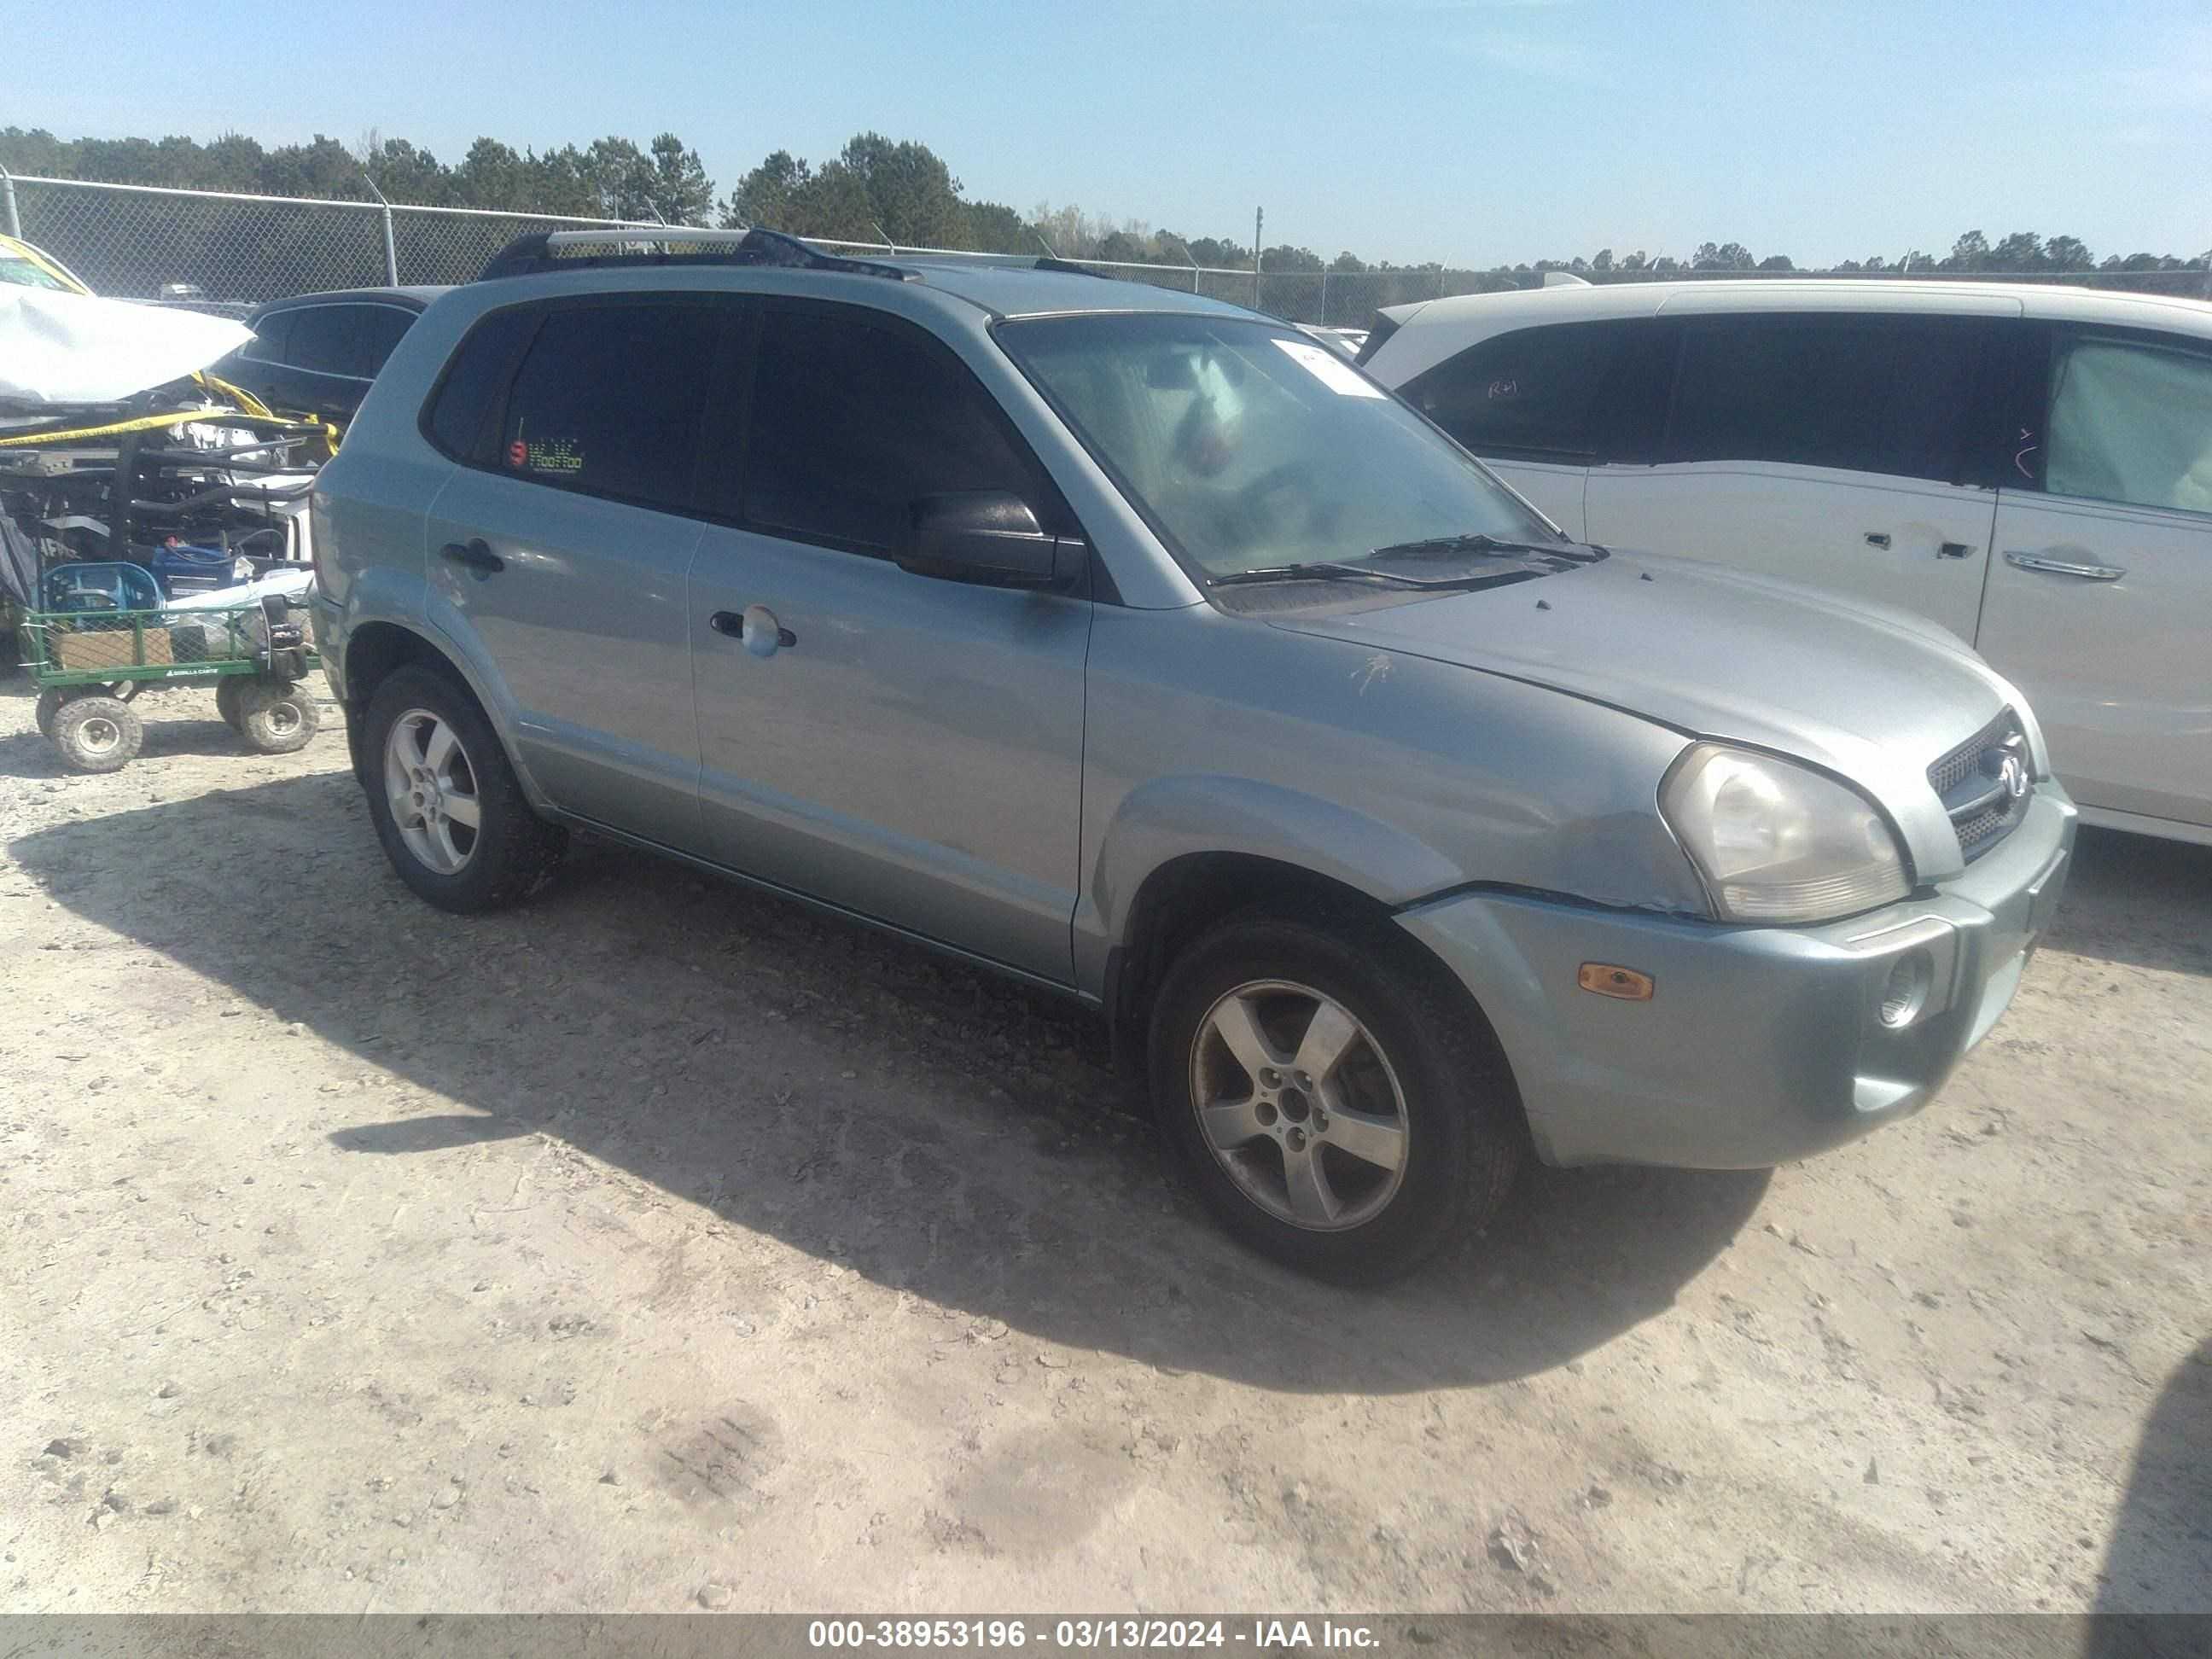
{"x":1171,"y":817}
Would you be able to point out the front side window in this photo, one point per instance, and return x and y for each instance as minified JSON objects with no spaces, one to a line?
{"x":1860,"y":394}
{"x":854,"y":420}
{"x":609,"y":401}
{"x":1247,"y":446}
{"x":2130,"y":422}
{"x":1533,"y":393}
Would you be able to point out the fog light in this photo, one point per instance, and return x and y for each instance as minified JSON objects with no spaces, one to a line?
{"x":1906,"y":994}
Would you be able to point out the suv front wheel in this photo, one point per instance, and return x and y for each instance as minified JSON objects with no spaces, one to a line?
{"x":448,"y":806}
{"x":1335,"y":1108}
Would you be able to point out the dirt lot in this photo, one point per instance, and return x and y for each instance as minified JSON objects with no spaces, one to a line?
{"x":660,"y":1245}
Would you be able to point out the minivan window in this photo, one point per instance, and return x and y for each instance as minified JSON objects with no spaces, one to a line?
{"x":1247,"y":446}
{"x":609,"y":401}
{"x":1888,"y":395}
{"x":854,"y":420}
{"x":326,"y":339}
{"x":457,"y":420}
{"x":1532,"y":393}
{"x":2132,"y":422}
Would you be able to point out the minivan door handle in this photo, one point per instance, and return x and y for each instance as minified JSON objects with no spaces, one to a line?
{"x":2095,"y":573}
{"x":476,"y":555}
{"x":1953,"y":550}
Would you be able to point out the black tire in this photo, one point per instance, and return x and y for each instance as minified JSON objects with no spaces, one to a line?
{"x":227,"y":692}
{"x":275,"y":717}
{"x":1459,"y":1119}
{"x":98,"y":734}
{"x":513,"y":852}
{"x":50,"y":704}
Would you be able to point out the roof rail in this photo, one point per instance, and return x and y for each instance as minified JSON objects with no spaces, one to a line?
{"x":1055,"y":262}
{"x":548,"y":250}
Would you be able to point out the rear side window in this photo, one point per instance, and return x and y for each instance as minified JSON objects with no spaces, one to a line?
{"x":1887,"y":395}
{"x":1535,"y":393}
{"x":852,"y":421}
{"x":462,"y":417}
{"x":326,"y":339}
{"x":609,"y":401}
{"x":382,"y":328}
{"x":270,"y":335}
{"x":2130,"y":422}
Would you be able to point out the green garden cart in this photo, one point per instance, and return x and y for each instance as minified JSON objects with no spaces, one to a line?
{"x":102,"y":633}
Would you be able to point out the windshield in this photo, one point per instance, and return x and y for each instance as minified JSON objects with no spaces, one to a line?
{"x":1249,"y":446}
{"x":18,"y":271}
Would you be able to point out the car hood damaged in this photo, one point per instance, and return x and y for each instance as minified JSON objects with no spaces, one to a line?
{"x":1872,"y":695}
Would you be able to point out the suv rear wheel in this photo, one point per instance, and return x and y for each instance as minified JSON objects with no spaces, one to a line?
{"x":1332,"y":1107}
{"x":448,"y":806}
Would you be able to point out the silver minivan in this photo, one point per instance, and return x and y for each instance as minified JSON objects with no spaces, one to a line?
{"x":1143,"y":649}
{"x":2029,"y":466}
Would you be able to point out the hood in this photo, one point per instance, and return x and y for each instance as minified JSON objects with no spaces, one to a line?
{"x":58,"y":347}
{"x":1871,"y":694}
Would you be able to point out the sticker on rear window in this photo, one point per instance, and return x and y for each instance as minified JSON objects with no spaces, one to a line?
{"x":1331,"y":370}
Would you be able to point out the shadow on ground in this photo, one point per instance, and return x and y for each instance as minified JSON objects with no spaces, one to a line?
{"x":28,"y":755}
{"x":854,"y":1096}
{"x":2171,"y":1476}
{"x":2132,"y":899}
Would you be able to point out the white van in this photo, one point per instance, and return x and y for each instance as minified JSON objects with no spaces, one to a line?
{"x":2029,"y":466}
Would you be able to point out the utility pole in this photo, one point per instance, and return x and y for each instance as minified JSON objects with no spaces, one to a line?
{"x":1259,"y":218}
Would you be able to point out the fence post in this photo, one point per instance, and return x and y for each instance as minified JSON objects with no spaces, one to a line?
{"x":1322,"y":320}
{"x":390,"y":248}
{"x":8,"y":201}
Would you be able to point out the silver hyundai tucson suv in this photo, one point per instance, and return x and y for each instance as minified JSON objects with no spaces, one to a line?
{"x":1141,"y":648}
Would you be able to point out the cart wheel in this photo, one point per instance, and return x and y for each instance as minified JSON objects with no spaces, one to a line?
{"x":50,"y":704}
{"x":276,"y":718}
{"x":97,"y":734}
{"x":226,"y":699}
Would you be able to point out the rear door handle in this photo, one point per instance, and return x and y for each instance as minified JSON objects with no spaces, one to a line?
{"x":476,"y":555}
{"x":2095,"y":573}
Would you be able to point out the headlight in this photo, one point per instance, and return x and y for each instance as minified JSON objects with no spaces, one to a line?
{"x":1775,"y":843}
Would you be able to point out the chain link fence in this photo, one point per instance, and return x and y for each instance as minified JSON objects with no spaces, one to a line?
{"x":133,"y":241}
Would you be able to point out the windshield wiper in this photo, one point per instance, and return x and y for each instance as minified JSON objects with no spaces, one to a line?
{"x":1480,"y":542}
{"x":1329,"y":570}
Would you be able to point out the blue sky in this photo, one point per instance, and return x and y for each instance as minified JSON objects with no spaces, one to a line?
{"x":1464,"y":130}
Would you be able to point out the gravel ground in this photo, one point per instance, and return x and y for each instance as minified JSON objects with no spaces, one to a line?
{"x":660,"y":1246}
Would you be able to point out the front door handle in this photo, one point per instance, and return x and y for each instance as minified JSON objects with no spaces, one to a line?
{"x":1953,"y":550}
{"x":476,"y":555}
{"x":755,"y":627}
{"x":2095,"y":573}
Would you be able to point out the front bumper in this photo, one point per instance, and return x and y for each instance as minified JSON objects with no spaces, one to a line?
{"x":1759,"y":1044}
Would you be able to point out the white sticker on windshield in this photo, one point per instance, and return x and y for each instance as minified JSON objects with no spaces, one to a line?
{"x":1331,"y":370}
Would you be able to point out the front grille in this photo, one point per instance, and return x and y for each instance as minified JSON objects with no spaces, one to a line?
{"x":1976,"y":783}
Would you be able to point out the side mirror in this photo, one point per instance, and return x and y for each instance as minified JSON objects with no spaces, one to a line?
{"x":988,"y":536}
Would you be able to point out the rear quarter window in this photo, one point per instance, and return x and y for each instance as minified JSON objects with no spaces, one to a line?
{"x":460,"y":416}
{"x":1534,"y":394}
